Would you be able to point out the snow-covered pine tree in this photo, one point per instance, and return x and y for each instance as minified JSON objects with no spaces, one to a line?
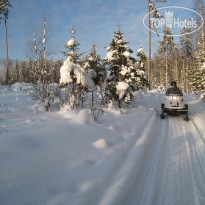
{"x":140,"y":78}
{"x":74,"y":75}
{"x":186,"y":42}
{"x":93,"y":65}
{"x":186,"y":50}
{"x":198,"y":81}
{"x":119,"y":61}
{"x":73,"y":46}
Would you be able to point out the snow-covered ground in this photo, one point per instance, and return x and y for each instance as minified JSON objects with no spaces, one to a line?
{"x":129,"y":157}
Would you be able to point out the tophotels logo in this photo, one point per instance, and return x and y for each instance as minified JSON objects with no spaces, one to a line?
{"x":176,"y":18}
{"x":168,"y":18}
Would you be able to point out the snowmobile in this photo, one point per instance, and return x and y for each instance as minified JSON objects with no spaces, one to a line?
{"x":174,"y":105}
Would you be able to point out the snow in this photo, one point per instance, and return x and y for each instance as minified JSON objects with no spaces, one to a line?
{"x":129,"y":157}
{"x":109,"y":56}
{"x":90,"y":58}
{"x":100,"y":144}
{"x":203,"y":66}
{"x":44,"y":40}
{"x":121,"y":89}
{"x":126,"y":54}
{"x":140,"y":50}
{"x":83,"y":117}
{"x":141,"y":72}
{"x":82,"y":77}
{"x":86,"y":65}
{"x":119,"y":41}
{"x":71,"y":42}
{"x":124,"y":70}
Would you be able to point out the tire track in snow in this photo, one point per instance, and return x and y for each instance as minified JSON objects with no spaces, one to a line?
{"x":184,"y":182}
{"x":147,"y":184}
{"x":197,"y":158}
{"x":118,"y":174}
{"x":173,"y":172}
{"x":127,"y":175}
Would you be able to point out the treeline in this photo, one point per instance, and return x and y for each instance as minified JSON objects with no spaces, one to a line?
{"x":29,"y":71}
{"x":183,"y":62}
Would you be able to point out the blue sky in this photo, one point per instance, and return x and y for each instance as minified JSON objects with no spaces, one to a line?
{"x":94,"y":20}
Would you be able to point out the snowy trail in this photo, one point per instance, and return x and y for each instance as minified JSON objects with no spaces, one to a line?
{"x":168,"y":169}
{"x":174,"y":168}
{"x":147,"y":160}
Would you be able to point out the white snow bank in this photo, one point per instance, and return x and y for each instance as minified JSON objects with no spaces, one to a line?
{"x":83,"y":117}
{"x":100,"y":144}
{"x":112,"y":109}
{"x":81,"y":75}
{"x":67,"y":113}
{"x":121,"y":88}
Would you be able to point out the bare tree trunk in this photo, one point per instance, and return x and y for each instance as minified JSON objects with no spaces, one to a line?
{"x":187,"y":75}
{"x":176,"y":70}
{"x":92,"y":99}
{"x":7,"y":53}
{"x":166,"y":69}
{"x":183,"y":76}
{"x":150,"y":44}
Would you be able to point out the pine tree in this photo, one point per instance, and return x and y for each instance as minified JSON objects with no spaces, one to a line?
{"x":93,"y":65}
{"x":13,"y":73}
{"x":119,"y":82}
{"x":166,"y":51}
{"x":22,"y":66}
{"x":74,"y":75}
{"x":4,"y":12}
{"x":198,"y":81}
{"x":186,"y":42}
{"x":73,"y":47}
{"x":157,"y":74}
{"x":140,"y":76}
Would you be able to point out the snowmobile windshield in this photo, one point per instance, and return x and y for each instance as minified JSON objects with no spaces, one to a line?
{"x":174,"y":91}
